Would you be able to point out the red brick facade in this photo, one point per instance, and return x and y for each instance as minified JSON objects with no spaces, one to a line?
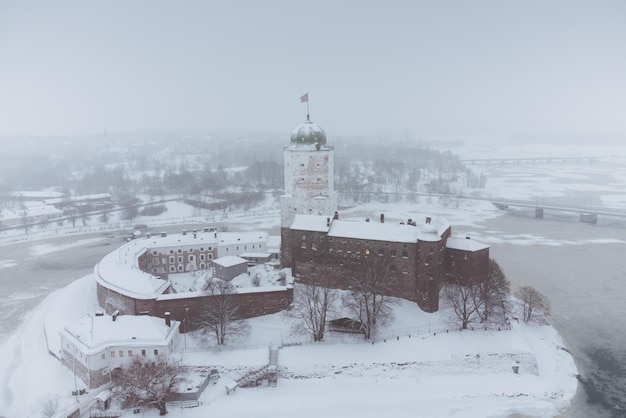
{"x":416,"y":270}
{"x":250,"y":304}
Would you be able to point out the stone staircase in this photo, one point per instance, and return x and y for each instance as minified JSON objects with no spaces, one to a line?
{"x":268,"y":372}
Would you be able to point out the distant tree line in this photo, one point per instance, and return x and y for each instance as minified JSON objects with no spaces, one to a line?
{"x":200,"y":164}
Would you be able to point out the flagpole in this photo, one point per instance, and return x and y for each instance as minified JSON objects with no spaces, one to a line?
{"x":307,"y":107}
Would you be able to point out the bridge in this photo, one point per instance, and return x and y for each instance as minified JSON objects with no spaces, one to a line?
{"x":549,"y":159}
{"x":587,"y":214}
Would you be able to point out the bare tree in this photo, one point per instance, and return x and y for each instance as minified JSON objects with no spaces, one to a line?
{"x":148,"y":382}
{"x":492,"y":293}
{"x":313,"y":303}
{"x":219,"y":318}
{"x":533,"y":302}
{"x":49,"y":408}
{"x":464,"y":299}
{"x":367,"y":298}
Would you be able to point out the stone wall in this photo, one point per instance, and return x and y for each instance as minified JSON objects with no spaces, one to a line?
{"x":112,"y":301}
{"x":250,"y":304}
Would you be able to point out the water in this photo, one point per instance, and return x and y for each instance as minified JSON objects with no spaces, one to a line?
{"x":585,"y":281}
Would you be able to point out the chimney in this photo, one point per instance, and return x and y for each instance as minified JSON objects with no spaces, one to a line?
{"x":428,"y":219}
{"x":382,"y":218}
{"x":206,"y":229}
{"x":336,"y":216}
{"x":184,"y":232}
{"x":409,"y":222}
{"x":195,"y":235}
{"x":99,"y":313}
{"x":114,"y":315}
{"x":367,"y":219}
{"x":327,"y":222}
{"x":148,"y":235}
{"x":168,"y":319}
{"x":163,"y":234}
{"x":467,"y":237}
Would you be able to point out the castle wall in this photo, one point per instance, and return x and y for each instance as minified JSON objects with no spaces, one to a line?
{"x":467,"y":265}
{"x":112,"y":301}
{"x":250,"y":304}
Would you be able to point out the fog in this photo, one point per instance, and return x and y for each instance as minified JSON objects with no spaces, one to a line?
{"x":417,"y":68}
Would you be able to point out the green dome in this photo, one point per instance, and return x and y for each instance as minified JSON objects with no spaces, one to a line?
{"x":308,"y":133}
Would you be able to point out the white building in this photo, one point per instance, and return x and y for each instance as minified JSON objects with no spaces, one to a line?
{"x":94,"y":346}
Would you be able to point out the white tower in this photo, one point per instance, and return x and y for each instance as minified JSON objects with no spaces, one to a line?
{"x":309,"y":175}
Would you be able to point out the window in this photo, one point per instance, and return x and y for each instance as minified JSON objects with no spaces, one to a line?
{"x":172,"y":259}
{"x":210,"y":256}
{"x":453,"y":263}
{"x":154,"y":253}
{"x":202,"y":257}
{"x":405,"y":254}
{"x":210,"y":248}
{"x":202,"y":266}
{"x":103,"y":356}
{"x":190,"y":258}
{"x":172,"y":269}
{"x":392,"y":269}
{"x":303,"y":244}
{"x":130,"y":353}
{"x":180,"y":251}
{"x":112,"y":353}
{"x":367,"y":251}
{"x":380,"y":251}
{"x":180,"y":258}
{"x":171,"y":251}
{"x":392,"y":253}
{"x":156,"y":352}
{"x":121,"y":353}
{"x":465,"y":257}
{"x":180,"y":267}
{"x":405,"y":270}
{"x":201,"y":248}
{"x":143,"y":352}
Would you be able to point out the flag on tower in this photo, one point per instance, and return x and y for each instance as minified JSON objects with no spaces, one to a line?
{"x":304,"y":98}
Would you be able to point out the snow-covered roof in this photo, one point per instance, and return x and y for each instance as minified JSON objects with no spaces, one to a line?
{"x":255,"y":255}
{"x":316,"y":223}
{"x":232,"y":238}
{"x":374,"y":231}
{"x":178,"y":239}
{"x":465,"y":244}
{"x":98,"y":332}
{"x":230,"y":260}
{"x":388,"y":231}
{"x":118,"y":271}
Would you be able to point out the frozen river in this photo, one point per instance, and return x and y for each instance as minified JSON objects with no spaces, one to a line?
{"x":580,"y":267}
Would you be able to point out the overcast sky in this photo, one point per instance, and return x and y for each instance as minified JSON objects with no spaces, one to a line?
{"x":427,"y":68}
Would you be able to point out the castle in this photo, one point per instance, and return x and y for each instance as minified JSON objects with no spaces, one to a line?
{"x":318,"y":246}
{"x":321,"y":248}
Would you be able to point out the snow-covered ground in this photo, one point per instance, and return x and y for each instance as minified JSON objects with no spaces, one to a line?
{"x":465,"y":374}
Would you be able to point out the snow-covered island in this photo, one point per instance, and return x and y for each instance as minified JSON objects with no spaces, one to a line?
{"x":416,"y":368}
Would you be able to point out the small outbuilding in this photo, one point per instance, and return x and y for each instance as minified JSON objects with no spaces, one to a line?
{"x":229,"y":267}
{"x":347,"y":325}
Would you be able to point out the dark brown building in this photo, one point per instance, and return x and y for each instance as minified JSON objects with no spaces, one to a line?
{"x":413,"y":259}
